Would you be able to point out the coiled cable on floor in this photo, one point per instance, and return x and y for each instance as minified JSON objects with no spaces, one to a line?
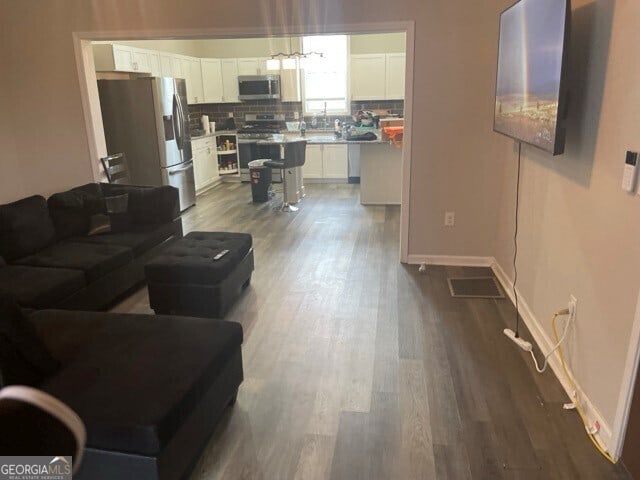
{"x":583,"y":417}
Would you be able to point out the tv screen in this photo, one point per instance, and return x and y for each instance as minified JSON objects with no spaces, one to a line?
{"x":530,"y":97}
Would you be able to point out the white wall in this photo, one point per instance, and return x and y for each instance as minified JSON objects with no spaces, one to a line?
{"x":578,"y":229}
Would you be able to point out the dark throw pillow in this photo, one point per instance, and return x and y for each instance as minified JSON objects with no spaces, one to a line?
{"x":2,"y":262}
{"x":108,"y":214}
{"x":25,"y":227}
{"x":24,"y":359}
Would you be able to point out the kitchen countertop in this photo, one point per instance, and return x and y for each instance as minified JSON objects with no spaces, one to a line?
{"x":214,"y":134}
{"x":316,"y":139}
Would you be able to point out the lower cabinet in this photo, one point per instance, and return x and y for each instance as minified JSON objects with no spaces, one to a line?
{"x":326,"y":162}
{"x":205,"y":163}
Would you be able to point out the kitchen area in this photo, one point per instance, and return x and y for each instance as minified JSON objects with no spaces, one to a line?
{"x":245,"y":98}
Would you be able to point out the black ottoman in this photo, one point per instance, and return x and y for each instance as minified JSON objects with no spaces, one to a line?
{"x":186,"y":280}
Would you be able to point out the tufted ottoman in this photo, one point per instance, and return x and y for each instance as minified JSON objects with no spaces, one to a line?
{"x":186,"y":280}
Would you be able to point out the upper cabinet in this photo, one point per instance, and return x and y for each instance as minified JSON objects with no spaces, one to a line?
{"x":212,"y":80}
{"x":377,"y":76}
{"x":289,"y":85}
{"x":395,"y":66}
{"x":119,"y":58}
{"x":193,"y":77}
{"x":253,"y":66}
{"x":154,"y":64}
{"x":230,"y":80}
{"x":368,"y":77}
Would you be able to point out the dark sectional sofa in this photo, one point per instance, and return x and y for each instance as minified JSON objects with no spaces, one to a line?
{"x":149,"y":388}
{"x":47,"y":259}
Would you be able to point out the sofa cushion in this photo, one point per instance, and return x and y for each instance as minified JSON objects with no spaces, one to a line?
{"x":38,"y":287}
{"x":25,"y":227}
{"x":24,"y":359}
{"x":68,"y":211}
{"x":93,"y":259}
{"x":134,"y":379}
{"x":140,"y":238}
{"x":2,"y":262}
{"x":190,"y":260}
{"x":148,"y":205}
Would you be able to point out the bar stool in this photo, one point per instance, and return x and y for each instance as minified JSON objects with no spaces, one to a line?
{"x":294,"y":157}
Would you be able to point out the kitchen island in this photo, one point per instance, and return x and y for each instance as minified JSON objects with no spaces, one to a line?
{"x":379,"y":161}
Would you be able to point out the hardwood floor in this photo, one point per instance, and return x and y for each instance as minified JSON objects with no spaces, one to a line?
{"x":359,"y":367}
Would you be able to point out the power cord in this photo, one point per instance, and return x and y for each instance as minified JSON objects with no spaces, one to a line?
{"x":515,"y":243}
{"x":575,"y":400}
{"x":558,"y":342}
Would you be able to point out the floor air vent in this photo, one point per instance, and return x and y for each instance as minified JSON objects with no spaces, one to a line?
{"x":475,"y":287}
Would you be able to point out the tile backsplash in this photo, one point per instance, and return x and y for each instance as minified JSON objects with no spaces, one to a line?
{"x":219,"y":112}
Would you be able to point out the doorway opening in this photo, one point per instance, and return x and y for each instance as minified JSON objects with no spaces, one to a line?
{"x":378,"y":85}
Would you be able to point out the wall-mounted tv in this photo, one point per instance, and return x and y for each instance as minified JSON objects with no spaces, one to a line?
{"x":532,"y":58}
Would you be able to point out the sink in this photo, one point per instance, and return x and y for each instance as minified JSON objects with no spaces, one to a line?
{"x":321,"y":138}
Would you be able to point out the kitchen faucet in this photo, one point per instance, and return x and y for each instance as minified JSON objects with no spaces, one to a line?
{"x":324,"y":117}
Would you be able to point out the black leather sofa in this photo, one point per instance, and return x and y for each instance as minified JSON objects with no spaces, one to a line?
{"x":48,"y":260}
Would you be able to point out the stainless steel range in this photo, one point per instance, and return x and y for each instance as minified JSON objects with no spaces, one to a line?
{"x":259,"y":127}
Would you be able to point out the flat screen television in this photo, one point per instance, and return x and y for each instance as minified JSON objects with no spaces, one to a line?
{"x":532,"y":58}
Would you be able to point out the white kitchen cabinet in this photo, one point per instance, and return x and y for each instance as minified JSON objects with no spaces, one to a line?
{"x":230,"y":80}
{"x":110,"y":57}
{"x":395,"y":73}
{"x":141,"y":60}
{"x":166,"y":64}
{"x":329,"y":162}
{"x":212,"y":80}
{"x":289,"y":85}
{"x":253,"y":66}
{"x":177,"y":67}
{"x":312,"y":167}
{"x":368,"y":76}
{"x":154,"y":64}
{"x":205,"y":163}
{"x":378,"y":76}
{"x":335,"y":161}
{"x":195,"y":93}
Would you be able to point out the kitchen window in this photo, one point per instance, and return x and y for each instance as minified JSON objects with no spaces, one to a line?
{"x":325,"y":80}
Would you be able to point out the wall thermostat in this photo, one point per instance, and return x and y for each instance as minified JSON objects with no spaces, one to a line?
{"x":629,"y":175}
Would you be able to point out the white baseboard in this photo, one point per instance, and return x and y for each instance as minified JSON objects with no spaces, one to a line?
{"x":545,"y":343}
{"x":451,"y":260}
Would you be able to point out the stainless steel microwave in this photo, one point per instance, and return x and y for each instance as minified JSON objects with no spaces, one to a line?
{"x":258,"y":87}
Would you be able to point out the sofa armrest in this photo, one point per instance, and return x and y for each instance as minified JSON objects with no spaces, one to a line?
{"x":148,"y":205}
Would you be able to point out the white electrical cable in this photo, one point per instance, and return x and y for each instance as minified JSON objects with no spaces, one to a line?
{"x":557,"y":345}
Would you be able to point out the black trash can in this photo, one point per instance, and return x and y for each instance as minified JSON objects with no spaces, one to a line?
{"x":260,"y":180}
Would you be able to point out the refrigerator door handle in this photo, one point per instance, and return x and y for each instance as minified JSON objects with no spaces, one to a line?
{"x":180,"y":170}
{"x":178,"y":121}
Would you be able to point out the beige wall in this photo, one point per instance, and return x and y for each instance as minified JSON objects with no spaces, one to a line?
{"x":182,"y":47}
{"x":379,"y":43}
{"x":578,"y":233}
{"x":264,"y":47}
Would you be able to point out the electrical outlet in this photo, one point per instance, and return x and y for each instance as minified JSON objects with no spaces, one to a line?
{"x":573,"y":306}
{"x":449,"y":219}
{"x":230,"y":114}
{"x":296,"y":115}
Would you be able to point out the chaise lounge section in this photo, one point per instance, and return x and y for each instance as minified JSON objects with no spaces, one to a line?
{"x":149,"y":389}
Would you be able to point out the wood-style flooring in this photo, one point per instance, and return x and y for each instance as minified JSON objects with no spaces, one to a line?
{"x":359,"y":367}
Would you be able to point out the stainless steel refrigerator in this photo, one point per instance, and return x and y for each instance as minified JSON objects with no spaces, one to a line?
{"x":148,"y":120}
